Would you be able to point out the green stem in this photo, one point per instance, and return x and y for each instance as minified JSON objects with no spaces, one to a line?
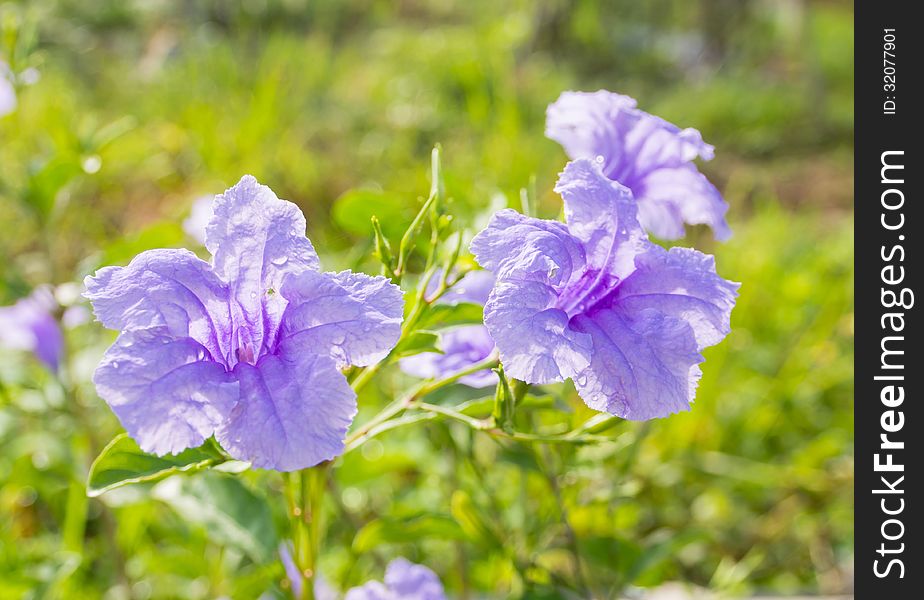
{"x":376,"y":424}
{"x":488,"y":426}
{"x":421,"y":304}
{"x":304,"y":493}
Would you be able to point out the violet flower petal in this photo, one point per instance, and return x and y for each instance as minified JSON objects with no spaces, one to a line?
{"x":174,"y":289}
{"x":30,"y":325}
{"x":462,"y":347}
{"x":293,"y":413}
{"x":167,"y":392}
{"x":354,"y":317}
{"x":535,"y":339}
{"x":647,"y":154}
{"x":256,"y":239}
{"x":404,"y":580}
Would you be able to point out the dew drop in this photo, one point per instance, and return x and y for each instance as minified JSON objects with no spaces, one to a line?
{"x":253,"y":295}
{"x":280,"y":260}
{"x":115,"y":365}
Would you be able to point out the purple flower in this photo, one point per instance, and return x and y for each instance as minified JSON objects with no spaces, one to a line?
{"x":462,"y":346}
{"x":403,"y":581}
{"x":29,"y":325}
{"x":7,"y":91}
{"x":650,"y":156}
{"x":246,"y":348}
{"x":593,"y":300}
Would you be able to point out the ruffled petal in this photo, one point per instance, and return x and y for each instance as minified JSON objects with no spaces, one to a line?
{"x":681,"y":283}
{"x":293,"y":413}
{"x":462,"y":347}
{"x":592,"y":124}
{"x":677,"y":195}
{"x":649,"y":155}
{"x":602,"y":215}
{"x":173,"y":289}
{"x":352,"y":316}
{"x":644,"y":364}
{"x":166,"y":392}
{"x":516,"y":246}
{"x":535,"y":340}
{"x":256,"y":240}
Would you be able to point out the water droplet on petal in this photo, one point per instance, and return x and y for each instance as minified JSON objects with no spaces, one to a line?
{"x":253,"y":295}
{"x":115,"y":365}
{"x":280,"y":260}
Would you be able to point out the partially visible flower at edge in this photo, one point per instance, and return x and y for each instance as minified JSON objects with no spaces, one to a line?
{"x":645,"y":153}
{"x":462,"y":346}
{"x":595,"y":301}
{"x":30,"y":325}
{"x":404,"y":580}
{"x":248,"y":347}
{"x":7,"y":91}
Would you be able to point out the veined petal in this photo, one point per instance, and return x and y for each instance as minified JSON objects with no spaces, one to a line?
{"x":166,"y":392}
{"x":256,"y":240}
{"x":173,"y":289}
{"x":647,"y":154}
{"x":681,"y":283}
{"x":352,"y":316}
{"x":592,"y":124}
{"x":535,"y":340}
{"x":602,"y":214}
{"x":677,"y":195}
{"x":293,"y":413}
{"x":513,"y":245}
{"x":644,"y":366}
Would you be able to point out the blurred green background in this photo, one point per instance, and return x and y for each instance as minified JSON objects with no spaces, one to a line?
{"x":130,"y":110}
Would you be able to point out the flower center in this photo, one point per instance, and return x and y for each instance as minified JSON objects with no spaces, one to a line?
{"x":582,"y":294}
{"x":244,"y":346}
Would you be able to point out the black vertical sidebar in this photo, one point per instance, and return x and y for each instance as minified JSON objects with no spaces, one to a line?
{"x":889,"y":421}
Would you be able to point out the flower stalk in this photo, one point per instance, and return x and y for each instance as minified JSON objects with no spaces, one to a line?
{"x":304,"y":492}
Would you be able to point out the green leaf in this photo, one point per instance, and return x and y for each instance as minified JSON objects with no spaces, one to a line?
{"x":417,"y":342}
{"x":448,"y":315}
{"x":231,"y":513}
{"x":122,"y":462}
{"x":475,"y":526}
{"x":353,"y":211}
{"x":402,"y":530}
